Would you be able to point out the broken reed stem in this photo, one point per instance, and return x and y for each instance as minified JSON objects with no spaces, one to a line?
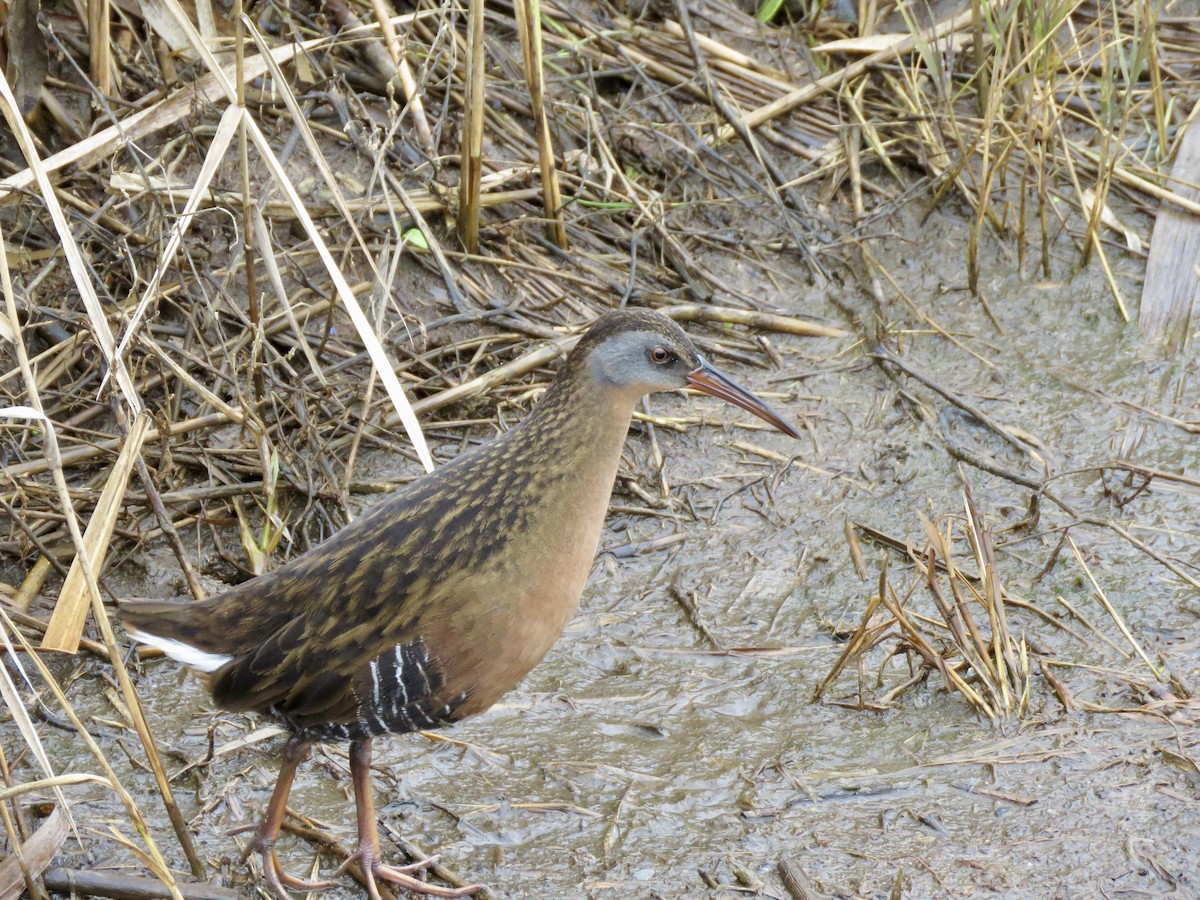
{"x":1102,"y":598}
{"x":412,"y":94}
{"x":1007,"y":673}
{"x":70,"y":610}
{"x":919,"y":642}
{"x":471,"y":163}
{"x":861,"y":640}
{"x":99,"y":16}
{"x":999,"y":680}
{"x":529,"y":27}
{"x":17,"y":830}
{"x":154,"y":858}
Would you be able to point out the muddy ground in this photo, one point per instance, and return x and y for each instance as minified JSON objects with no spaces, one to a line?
{"x":637,"y":761}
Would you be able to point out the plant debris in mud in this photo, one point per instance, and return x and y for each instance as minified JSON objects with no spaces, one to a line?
{"x":981,"y":637}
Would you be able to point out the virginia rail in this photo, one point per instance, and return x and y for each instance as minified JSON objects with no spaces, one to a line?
{"x":436,"y":602}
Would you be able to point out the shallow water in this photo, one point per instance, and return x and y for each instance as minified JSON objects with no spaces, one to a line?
{"x":635,"y":762}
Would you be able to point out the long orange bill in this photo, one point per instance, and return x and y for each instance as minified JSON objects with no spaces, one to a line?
{"x":706,"y":377}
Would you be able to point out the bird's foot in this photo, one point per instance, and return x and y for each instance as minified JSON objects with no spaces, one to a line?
{"x":374,"y":870}
{"x":277,"y":880}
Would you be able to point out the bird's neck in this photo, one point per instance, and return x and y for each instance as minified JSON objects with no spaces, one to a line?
{"x":566,"y":454}
{"x":583,"y":418}
{"x":580,"y":427}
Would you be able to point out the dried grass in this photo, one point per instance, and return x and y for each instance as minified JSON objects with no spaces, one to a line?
{"x":966,"y":631}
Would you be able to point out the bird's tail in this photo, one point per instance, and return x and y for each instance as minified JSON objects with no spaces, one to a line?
{"x":172,"y":627}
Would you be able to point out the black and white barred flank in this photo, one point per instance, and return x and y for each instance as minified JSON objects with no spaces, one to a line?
{"x":405,"y":695}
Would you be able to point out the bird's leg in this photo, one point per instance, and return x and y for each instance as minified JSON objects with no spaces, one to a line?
{"x":367,"y":854}
{"x":295,"y":752}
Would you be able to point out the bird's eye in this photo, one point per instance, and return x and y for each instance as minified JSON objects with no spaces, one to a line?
{"x":660,"y":354}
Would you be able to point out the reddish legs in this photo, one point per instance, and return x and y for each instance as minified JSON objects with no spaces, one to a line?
{"x":367,"y":854}
{"x":295,"y":752}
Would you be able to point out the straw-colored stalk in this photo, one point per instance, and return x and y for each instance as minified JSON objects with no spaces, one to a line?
{"x":408,"y":83}
{"x":100,"y":44}
{"x":472,"y":134}
{"x":529,"y":27}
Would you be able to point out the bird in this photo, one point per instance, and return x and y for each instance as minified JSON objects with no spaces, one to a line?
{"x":437,"y":601}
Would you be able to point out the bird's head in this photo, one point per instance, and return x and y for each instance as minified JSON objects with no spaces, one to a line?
{"x":637,"y":351}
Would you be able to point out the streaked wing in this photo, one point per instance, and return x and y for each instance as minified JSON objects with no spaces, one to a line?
{"x":346,"y":687}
